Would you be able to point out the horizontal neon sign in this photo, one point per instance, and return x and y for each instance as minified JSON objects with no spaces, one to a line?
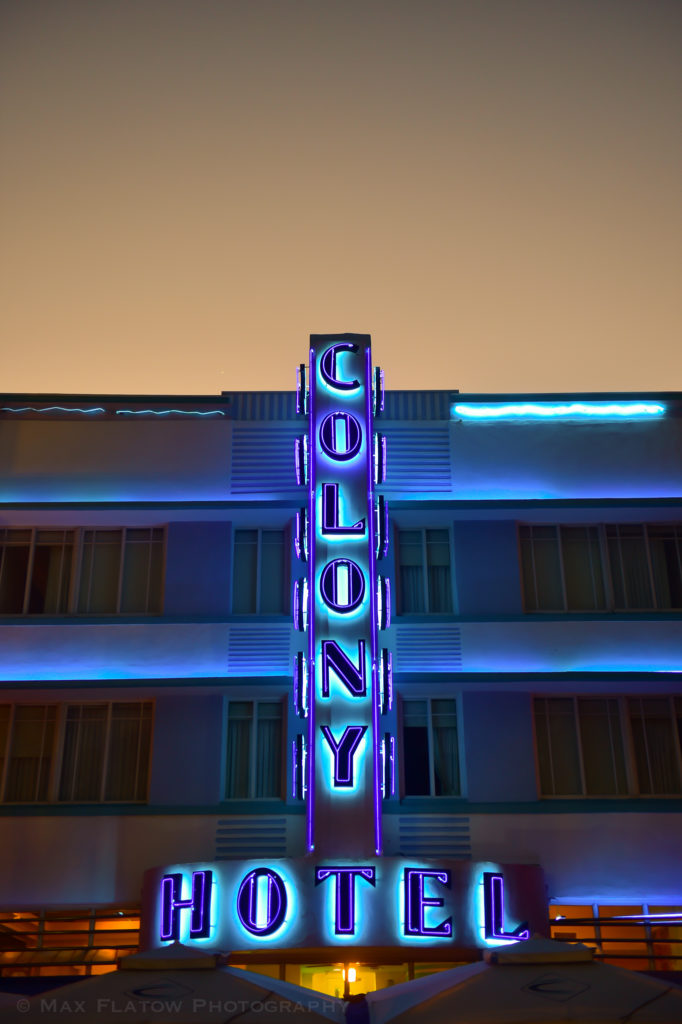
{"x":557,"y":410}
{"x":319,"y":904}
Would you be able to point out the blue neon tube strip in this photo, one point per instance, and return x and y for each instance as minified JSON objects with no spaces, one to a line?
{"x":167,"y":412}
{"x":50,"y":408}
{"x":555,"y":410}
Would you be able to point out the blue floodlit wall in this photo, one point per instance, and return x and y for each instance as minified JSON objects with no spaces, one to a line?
{"x":198,"y":569}
{"x":203,"y":476}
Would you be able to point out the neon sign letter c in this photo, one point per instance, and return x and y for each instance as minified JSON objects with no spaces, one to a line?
{"x":328,"y":367}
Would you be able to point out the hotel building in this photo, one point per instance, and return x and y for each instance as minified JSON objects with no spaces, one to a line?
{"x":356,"y":714}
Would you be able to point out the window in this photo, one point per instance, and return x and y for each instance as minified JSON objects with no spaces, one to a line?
{"x":121,"y":571}
{"x":95,"y":753}
{"x":430,"y":751}
{"x":606,"y":746}
{"x":641,"y":937}
{"x":424,"y":571}
{"x":619,"y":567}
{"x":259,"y":579}
{"x":254,"y":749}
{"x":44,"y":943}
{"x":96,"y":572}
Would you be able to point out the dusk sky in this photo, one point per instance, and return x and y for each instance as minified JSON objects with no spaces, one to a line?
{"x":491,"y":189}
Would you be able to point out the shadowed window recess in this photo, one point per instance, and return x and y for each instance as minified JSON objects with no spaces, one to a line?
{"x":612,"y":567}
{"x":260,"y":578}
{"x":81,"y":571}
{"x":594,"y":746}
{"x":430,"y":755}
{"x":424,"y":577}
{"x":254,"y":749}
{"x":75,"y":753}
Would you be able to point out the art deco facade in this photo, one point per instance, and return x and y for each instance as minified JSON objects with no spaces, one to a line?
{"x":147,"y":645}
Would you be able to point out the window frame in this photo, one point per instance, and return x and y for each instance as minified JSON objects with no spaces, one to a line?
{"x":78,"y":542}
{"x":610,"y":606}
{"x":424,"y":568}
{"x":253,"y":747}
{"x":633,"y":790}
{"x":431,"y":795}
{"x":286,"y":567}
{"x":56,"y":753}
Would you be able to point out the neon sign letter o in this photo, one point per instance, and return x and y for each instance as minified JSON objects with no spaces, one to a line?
{"x":276,"y":905}
{"x":353,"y":433}
{"x":329,"y":585}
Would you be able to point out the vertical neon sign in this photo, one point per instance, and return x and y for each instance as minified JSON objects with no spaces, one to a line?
{"x":346,"y":532}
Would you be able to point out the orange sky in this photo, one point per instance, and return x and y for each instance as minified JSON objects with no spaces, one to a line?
{"x":491,"y":188}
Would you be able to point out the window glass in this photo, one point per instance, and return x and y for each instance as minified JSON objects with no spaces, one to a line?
{"x":5,"y":712}
{"x":430,"y":750}
{"x":438,"y":570}
{"x":99,"y":577}
{"x":30,"y":753}
{"x":83,"y":752}
{"x":424,"y":571}
{"x":269,"y":749}
{"x":258,"y":584}
{"x":666,"y":564}
{"x":130,"y":733}
{"x":238,"y":768}
{"x":655,"y":745}
{"x":547,"y":568}
{"x":245,"y":572}
{"x":602,"y":747}
{"x":16,"y":547}
{"x":629,"y":567}
{"x":411,"y":571}
{"x":272,"y":572}
{"x":51,"y":572}
{"x":445,"y":754}
{"x":254,"y":750}
{"x":416,"y":748}
{"x":561,"y":773}
{"x":582,"y":748}
{"x":583,"y":577}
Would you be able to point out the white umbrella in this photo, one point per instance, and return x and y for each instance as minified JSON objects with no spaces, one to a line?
{"x":538,"y":981}
{"x":178,"y":985}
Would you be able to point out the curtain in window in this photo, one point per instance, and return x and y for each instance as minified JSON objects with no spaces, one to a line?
{"x":100,"y":565}
{"x":629,"y":566}
{"x":14,"y":554}
{"x":238,"y":766}
{"x":655,"y":742}
{"x":244,"y":572}
{"x":272,"y":572}
{"x":543,"y":590}
{"x":30,"y":753}
{"x":84,"y":748}
{"x":665,"y":547}
{"x":411,"y":571}
{"x":129,"y":746}
{"x":557,"y":743}
{"x":445,"y":755}
{"x":583,"y":576}
{"x":269,"y":749}
{"x":438,"y":570}
{"x":602,"y":747}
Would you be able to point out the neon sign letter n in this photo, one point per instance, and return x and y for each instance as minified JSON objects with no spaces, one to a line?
{"x":352,"y":676}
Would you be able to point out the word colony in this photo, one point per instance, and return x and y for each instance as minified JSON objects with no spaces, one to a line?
{"x":343,"y":766}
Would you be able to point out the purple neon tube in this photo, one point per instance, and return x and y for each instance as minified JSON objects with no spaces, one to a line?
{"x":312,"y":526}
{"x":369,"y":426}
